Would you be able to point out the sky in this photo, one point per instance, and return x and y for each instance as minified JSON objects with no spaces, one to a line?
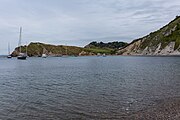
{"x":79,"y":22}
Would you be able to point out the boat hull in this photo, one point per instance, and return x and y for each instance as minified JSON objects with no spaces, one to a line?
{"x":9,"y":56}
{"x":44,"y":56}
{"x":21,"y":57}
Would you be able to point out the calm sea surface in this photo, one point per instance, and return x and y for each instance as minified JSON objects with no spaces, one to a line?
{"x":84,"y":87}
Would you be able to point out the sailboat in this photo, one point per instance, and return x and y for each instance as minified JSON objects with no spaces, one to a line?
{"x":21,"y":56}
{"x":9,"y":55}
{"x":99,"y":54}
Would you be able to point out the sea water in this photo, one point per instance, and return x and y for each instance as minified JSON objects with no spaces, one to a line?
{"x":84,"y":87}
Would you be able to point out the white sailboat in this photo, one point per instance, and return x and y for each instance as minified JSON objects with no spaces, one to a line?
{"x":98,"y":54}
{"x":9,"y":54}
{"x":44,"y":56}
{"x":104,"y":55}
{"x":21,"y":56}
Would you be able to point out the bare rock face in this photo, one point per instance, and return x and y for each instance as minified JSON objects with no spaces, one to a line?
{"x":131,"y":49}
{"x":158,"y":49}
{"x":83,"y":53}
{"x":165,"y":41}
{"x":168,"y":49}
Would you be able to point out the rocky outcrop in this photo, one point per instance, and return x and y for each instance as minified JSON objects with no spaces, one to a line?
{"x":165,"y":41}
{"x":131,"y":49}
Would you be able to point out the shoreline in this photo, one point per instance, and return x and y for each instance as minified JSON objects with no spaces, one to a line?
{"x":111,"y":55}
{"x":137,"y":55}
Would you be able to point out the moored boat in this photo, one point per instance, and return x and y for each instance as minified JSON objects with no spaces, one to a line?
{"x":104,"y":55}
{"x":22,"y":56}
{"x":9,"y":56}
{"x":44,"y":56}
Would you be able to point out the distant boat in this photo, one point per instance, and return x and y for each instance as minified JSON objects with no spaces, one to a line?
{"x":44,"y":56}
{"x":99,"y":54}
{"x":104,"y":55}
{"x":21,"y":56}
{"x":9,"y":55}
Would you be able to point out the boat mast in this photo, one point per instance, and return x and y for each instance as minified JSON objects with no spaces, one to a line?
{"x":8,"y":49}
{"x":20,"y":37}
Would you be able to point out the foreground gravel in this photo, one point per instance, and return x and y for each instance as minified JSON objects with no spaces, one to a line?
{"x":168,"y":109}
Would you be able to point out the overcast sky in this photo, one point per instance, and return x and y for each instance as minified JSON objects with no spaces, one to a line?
{"x":78,"y":22}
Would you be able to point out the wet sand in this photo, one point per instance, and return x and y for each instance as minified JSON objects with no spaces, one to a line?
{"x":168,"y":109}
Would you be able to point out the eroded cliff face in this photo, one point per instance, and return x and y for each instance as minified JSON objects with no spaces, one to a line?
{"x":165,"y":41}
{"x":131,"y":49}
{"x":134,"y":49}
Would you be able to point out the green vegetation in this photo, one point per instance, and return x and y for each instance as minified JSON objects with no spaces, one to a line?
{"x":175,"y":36}
{"x":107,"y":48}
{"x":109,"y":45}
{"x":37,"y":49}
{"x":100,"y":50}
{"x":167,"y":34}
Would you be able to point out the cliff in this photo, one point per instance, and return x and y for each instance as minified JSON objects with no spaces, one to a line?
{"x":165,"y":41}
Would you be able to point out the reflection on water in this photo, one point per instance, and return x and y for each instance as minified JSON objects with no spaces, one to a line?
{"x":84,"y":87}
